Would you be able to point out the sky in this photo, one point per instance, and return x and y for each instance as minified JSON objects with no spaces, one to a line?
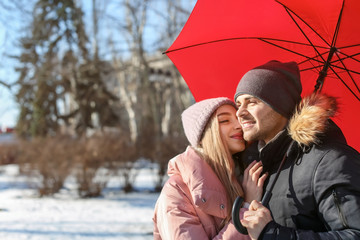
{"x":8,"y":106}
{"x":10,"y":29}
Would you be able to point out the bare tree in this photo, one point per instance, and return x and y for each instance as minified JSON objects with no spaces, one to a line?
{"x":58,"y":62}
{"x":153,"y":98}
{"x":67,"y":80}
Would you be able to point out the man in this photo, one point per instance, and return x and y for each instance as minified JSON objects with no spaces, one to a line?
{"x":317,"y":193}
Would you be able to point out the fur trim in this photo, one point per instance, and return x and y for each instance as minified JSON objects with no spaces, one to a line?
{"x":310,"y":119}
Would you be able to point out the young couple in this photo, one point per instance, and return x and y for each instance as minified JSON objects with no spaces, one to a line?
{"x":316,"y":195}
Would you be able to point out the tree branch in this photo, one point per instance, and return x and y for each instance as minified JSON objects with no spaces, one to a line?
{"x":5,"y":84}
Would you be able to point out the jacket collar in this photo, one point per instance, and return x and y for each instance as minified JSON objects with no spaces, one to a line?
{"x":309,"y":125}
{"x":273,"y":152}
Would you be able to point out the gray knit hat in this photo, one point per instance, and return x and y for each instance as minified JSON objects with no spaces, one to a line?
{"x":275,"y":83}
{"x":195,"y":117}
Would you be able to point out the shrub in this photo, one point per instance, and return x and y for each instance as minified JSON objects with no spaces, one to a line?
{"x":49,"y":159}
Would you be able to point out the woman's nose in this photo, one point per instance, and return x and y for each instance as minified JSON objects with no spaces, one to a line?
{"x":237,"y":124}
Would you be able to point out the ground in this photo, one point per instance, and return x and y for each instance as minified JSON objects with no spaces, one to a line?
{"x":114,"y":216}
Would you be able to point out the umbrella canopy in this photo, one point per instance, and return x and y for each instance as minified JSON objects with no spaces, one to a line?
{"x":222,"y":40}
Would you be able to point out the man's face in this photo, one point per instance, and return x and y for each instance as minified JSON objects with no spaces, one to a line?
{"x":258,"y":120}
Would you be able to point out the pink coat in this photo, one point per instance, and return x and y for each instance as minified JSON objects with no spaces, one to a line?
{"x":192,"y":203}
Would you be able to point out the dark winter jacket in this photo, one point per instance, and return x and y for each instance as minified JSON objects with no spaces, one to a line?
{"x":317,"y":194}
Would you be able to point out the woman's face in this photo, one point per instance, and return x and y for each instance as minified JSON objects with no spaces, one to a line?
{"x":230,"y":130}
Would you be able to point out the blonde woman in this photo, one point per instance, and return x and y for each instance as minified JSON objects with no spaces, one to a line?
{"x":197,"y":199}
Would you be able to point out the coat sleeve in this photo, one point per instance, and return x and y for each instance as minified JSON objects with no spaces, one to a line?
{"x":176,"y":217}
{"x":336,"y":190}
{"x":229,"y":232}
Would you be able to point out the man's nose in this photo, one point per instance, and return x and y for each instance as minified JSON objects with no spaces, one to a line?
{"x":240,"y":112}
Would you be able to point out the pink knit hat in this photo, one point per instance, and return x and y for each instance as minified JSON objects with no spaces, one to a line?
{"x":195,"y":117}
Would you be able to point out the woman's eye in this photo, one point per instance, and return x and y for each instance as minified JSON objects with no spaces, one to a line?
{"x":223,"y":121}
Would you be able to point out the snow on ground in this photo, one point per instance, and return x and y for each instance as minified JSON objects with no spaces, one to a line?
{"x":115,"y":216}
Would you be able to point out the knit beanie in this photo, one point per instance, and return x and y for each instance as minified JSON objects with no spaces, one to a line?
{"x":275,"y":83}
{"x":195,"y":117}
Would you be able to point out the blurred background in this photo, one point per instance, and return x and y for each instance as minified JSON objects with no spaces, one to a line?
{"x":90,"y":111}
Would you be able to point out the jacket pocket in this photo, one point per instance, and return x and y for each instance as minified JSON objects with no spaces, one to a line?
{"x":338,"y":207}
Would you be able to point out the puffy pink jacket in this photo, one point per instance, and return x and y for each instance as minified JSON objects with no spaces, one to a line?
{"x":192,"y":203}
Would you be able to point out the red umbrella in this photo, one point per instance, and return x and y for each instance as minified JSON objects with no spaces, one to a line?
{"x":224,"y":39}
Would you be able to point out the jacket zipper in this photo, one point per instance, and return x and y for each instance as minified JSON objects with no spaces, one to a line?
{"x":337,"y":204}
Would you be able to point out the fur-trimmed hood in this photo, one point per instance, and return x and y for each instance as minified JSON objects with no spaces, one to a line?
{"x":311,"y":118}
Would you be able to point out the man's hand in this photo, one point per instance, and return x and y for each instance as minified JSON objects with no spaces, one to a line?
{"x":255,"y":219}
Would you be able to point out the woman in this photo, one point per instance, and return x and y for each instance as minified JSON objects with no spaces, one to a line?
{"x":196,"y":201}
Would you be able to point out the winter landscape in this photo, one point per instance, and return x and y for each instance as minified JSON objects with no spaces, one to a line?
{"x":116,"y":215}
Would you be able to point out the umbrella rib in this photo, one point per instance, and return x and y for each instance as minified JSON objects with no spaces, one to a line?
{"x":332,"y":62}
{"x":350,"y":46}
{"x":337,"y":67}
{"x":348,"y":57}
{"x":353,"y":93}
{"x":309,"y":59}
{"x":341,"y":59}
{"x":337,"y":29}
{"x":289,"y":50}
{"x":301,"y":30}
{"x":293,"y":42}
{"x":348,"y":72}
{"x":345,"y":69}
{"x":239,"y":38}
{"x":288,"y":10}
{"x":313,"y":59}
{"x":332,"y":67}
{"x":333,"y":50}
{"x":323,"y":72}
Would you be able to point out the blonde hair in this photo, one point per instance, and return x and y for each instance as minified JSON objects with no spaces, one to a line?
{"x":218,"y":156}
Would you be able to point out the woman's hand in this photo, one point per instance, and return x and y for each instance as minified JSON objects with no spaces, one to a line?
{"x":255,"y":219}
{"x":252,"y":183}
